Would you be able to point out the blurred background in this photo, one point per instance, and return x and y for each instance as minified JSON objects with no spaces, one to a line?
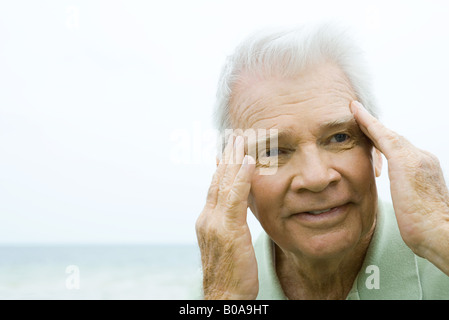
{"x":107,"y":146}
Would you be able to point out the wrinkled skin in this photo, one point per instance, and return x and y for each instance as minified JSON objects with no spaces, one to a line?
{"x":318,"y":169}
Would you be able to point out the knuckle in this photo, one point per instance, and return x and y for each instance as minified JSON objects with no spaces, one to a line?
{"x":215,"y":181}
{"x":207,"y":222}
{"x":414,"y":163}
{"x":224,"y":189}
{"x":401,"y":146}
{"x":234,"y":199}
{"x":394,"y":138}
{"x":199,"y":224}
{"x":211,"y":192}
{"x":423,"y":160}
{"x":224,"y":185}
{"x":203,"y":221}
{"x":433,"y":159}
{"x":426,"y":172}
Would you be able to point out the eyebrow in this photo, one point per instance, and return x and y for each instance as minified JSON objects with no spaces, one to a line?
{"x":338,"y":123}
{"x":348,"y":121}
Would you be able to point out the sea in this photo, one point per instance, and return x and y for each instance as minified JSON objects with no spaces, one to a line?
{"x":100,"y":272}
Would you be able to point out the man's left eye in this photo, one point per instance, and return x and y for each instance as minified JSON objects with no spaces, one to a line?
{"x":340,"y":137}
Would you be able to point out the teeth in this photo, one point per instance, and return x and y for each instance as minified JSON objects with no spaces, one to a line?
{"x":318,"y":212}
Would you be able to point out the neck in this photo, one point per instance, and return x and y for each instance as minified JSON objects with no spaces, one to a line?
{"x":316,"y":279}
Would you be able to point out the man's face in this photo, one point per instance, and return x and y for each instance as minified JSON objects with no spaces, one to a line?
{"x":324,"y":162}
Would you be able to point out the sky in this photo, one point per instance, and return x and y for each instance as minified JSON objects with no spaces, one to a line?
{"x":106,"y":133}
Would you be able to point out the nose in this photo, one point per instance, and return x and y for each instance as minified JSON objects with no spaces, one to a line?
{"x":313,"y":170}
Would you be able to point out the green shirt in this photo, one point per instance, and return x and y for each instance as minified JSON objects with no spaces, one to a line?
{"x":390,"y":270}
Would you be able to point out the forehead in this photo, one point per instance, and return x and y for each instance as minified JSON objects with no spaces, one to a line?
{"x":321,"y":93}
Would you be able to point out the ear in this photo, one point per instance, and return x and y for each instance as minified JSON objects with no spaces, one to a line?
{"x":377,"y":158}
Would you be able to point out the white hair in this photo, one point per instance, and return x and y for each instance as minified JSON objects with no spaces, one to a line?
{"x":287,"y":53}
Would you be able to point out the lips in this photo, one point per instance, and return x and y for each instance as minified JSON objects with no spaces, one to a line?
{"x":319,"y":211}
{"x":323,"y":217}
{"x":322,"y":210}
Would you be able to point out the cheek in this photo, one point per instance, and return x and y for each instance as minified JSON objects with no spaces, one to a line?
{"x":357,"y":167}
{"x":364,"y":170}
{"x":359,"y":172}
{"x":266,"y":196}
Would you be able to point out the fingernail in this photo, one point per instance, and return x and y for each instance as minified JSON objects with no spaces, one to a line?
{"x":355,"y":106}
{"x":358,"y":105}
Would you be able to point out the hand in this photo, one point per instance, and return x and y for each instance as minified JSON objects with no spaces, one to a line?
{"x":227,"y":254}
{"x":418,"y":190}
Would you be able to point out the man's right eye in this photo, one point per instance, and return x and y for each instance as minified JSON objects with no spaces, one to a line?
{"x":273,"y":152}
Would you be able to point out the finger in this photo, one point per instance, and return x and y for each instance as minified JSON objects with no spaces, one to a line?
{"x":225,"y":156}
{"x":232,"y":168}
{"x":239,"y":150}
{"x":228,"y":151}
{"x":385,"y":140}
{"x":212,"y":194}
{"x":237,"y":199}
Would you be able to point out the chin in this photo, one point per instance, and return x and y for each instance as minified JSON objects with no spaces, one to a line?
{"x":330,"y":245}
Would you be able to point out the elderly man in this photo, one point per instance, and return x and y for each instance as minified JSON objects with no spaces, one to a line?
{"x":326,"y":234}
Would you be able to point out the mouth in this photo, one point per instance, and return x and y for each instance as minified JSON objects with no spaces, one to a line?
{"x":322,"y":210}
{"x":315,"y":212}
{"x":323,"y":216}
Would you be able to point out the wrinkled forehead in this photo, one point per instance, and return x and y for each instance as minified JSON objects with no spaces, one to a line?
{"x":315,"y":92}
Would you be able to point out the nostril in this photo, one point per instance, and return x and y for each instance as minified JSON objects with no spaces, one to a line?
{"x":315,"y":181}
